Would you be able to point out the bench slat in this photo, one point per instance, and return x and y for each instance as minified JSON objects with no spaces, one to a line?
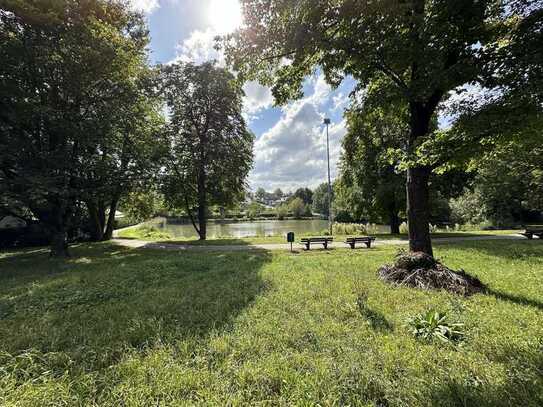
{"x":351,"y":241}
{"x":321,"y":240}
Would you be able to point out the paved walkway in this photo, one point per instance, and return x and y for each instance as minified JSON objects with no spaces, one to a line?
{"x":134,"y":243}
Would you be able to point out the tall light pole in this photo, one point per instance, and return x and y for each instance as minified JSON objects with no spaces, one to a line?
{"x":327,"y":122}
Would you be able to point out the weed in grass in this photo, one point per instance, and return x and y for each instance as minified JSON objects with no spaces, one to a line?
{"x":435,"y":325}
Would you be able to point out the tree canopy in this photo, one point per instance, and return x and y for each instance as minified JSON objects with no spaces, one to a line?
{"x":211,"y":149}
{"x":68,"y":78}
{"x":425,"y":49}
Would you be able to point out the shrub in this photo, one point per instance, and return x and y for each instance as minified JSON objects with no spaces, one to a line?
{"x":254,"y":210}
{"x":146,"y":232}
{"x":281,"y":212}
{"x":468,"y":208}
{"x":343,"y":217}
{"x":297,"y":207}
{"x":349,"y":228}
{"x":434,"y":325}
{"x":404,"y":228}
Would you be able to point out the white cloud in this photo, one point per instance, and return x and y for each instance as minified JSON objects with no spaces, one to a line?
{"x":293,"y":152}
{"x":145,"y":6}
{"x":257,"y":98}
{"x":199,"y":48}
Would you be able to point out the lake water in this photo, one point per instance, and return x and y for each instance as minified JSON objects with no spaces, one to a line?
{"x":216,"y":229}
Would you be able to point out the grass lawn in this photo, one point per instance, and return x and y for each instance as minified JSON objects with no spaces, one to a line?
{"x":128,"y":327}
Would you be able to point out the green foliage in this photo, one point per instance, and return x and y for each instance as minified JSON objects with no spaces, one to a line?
{"x":415,"y":53}
{"x":282,"y":211}
{"x":320,"y":199}
{"x":297,"y":208}
{"x":468,"y":208}
{"x":434,"y":325}
{"x":142,"y":206}
{"x":349,"y":229}
{"x":260,"y":195}
{"x":507,"y":186}
{"x":305,"y":194}
{"x":211,"y":148}
{"x":77,"y":121}
{"x":370,"y":163}
{"x":254,"y":210}
{"x":146,"y":232}
{"x":404,"y":228}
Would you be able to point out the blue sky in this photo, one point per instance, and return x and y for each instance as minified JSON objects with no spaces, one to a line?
{"x":290,"y":149}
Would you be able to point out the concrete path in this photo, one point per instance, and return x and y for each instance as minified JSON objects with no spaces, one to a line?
{"x":134,"y":243}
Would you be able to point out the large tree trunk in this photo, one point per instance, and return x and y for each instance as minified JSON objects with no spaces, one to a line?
{"x":59,"y":244}
{"x":394,"y":223}
{"x":417,"y":188}
{"x":95,"y":220}
{"x":418,"y":210}
{"x":108,"y":234}
{"x":202,"y":207}
{"x":59,"y":233}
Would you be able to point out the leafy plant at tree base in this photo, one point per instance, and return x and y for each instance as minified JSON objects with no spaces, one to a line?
{"x":434,"y":325}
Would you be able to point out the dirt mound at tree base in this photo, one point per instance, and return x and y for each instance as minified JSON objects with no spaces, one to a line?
{"x":420,"y":270}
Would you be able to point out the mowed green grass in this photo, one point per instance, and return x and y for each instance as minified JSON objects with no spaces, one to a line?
{"x":127,"y":327}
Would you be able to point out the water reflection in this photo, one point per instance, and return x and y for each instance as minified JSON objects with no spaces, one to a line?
{"x":216,"y":229}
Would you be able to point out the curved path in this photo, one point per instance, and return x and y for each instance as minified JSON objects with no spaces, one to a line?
{"x":134,"y":243}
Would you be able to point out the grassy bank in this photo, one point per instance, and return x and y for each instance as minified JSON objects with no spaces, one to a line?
{"x":152,"y":233}
{"x":115,"y":326}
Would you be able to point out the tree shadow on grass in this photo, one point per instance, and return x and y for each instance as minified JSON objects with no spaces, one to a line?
{"x":108,"y":299}
{"x":523,"y":385}
{"x":194,"y":243}
{"x":375,"y":319}
{"x":516,"y":299}
{"x":522,"y":249}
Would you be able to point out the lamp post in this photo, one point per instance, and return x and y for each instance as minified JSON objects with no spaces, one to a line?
{"x":327,"y":122}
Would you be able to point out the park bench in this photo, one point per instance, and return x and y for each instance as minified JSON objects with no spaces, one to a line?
{"x":352,"y":241}
{"x":320,"y":240}
{"x":531,"y":231}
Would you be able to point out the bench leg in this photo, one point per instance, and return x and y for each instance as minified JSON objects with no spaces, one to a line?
{"x":352,"y":245}
{"x":307,"y":246}
{"x":529,"y":236}
{"x":368,"y":244}
{"x":325,"y":244}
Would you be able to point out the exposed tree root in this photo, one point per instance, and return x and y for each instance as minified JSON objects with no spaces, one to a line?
{"x":420,"y":270}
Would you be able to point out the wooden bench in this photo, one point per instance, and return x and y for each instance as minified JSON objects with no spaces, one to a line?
{"x":352,"y":241}
{"x":321,"y":240}
{"x":531,"y":231}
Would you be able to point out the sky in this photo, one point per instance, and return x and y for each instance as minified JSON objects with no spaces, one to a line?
{"x":290,"y":145}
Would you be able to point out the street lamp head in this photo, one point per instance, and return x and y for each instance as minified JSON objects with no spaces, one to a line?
{"x":326,"y":121}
